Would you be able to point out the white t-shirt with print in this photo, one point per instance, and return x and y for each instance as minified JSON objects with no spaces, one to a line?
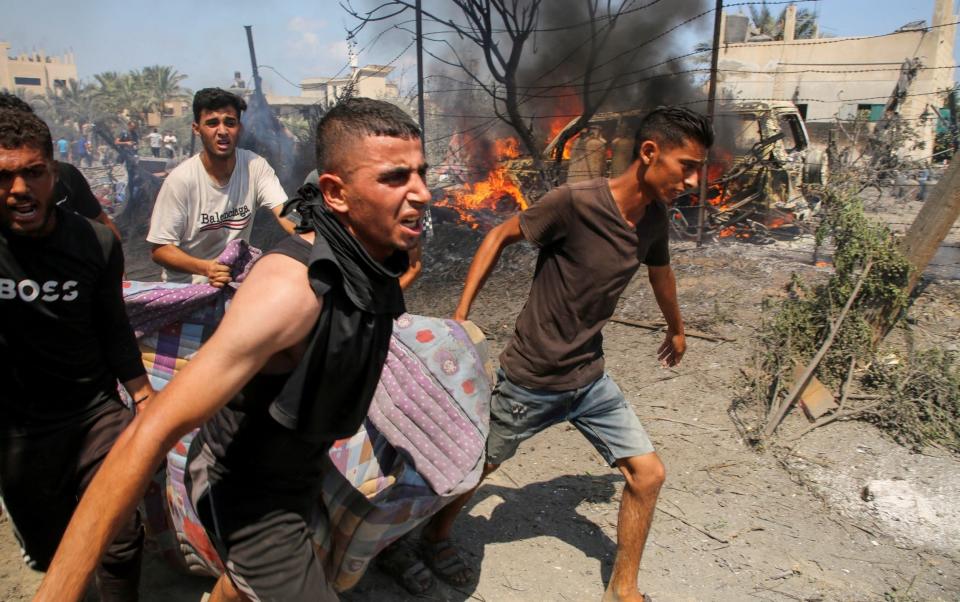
{"x":154,"y":138}
{"x":201,"y":217}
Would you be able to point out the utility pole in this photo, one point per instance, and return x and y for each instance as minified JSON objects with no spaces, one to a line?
{"x":421,"y":117}
{"x":253,"y":61}
{"x":711,"y":112}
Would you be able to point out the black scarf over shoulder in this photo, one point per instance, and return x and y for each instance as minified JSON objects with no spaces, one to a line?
{"x":328,"y":394}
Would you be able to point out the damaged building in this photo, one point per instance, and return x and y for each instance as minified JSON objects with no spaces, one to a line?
{"x":846,"y":78}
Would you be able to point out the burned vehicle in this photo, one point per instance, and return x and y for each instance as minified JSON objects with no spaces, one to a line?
{"x":762,"y":173}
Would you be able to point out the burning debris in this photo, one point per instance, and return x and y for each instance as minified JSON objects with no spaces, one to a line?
{"x":762,"y":178}
{"x":481,"y":189}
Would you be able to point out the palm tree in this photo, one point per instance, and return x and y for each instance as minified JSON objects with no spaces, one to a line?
{"x":162,"y":84}
{"x":769,"y":25}
{"x":765,"y":22}
{"x":77,"y":103}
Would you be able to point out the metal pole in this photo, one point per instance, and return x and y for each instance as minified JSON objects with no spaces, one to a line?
{"x":711,"y":112}
{"x":421,"y":117}
{"x":253,"y":60}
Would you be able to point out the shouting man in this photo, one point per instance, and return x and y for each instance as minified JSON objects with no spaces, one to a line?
{"x":65,"y":341}
{"x":72,"y":191}
{"x":593,"y":236}
{"x":211,"y":198}
{"x":292,"y":367}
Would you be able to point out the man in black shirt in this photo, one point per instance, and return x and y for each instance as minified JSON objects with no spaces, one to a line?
{"x":65,"y":340}
{"x":71,"y":191}
{"x":292,"y":367}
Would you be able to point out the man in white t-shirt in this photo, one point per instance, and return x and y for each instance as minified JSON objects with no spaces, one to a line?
{"x":211,"y":198}
{"x":170,"y":144}
{"x":155,"y":139}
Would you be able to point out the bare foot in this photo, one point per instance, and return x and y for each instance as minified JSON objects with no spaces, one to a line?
{"x":611,"y":596}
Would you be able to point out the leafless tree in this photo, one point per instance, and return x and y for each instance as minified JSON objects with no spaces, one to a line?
{"x":502,"y":30}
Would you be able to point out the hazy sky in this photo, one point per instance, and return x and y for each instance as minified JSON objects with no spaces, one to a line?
{"x":205,"y":38}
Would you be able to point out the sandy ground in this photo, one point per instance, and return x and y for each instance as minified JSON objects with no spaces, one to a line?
{"x":733,"y":523}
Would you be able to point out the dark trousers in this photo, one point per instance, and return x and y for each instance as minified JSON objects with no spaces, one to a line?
{"x":42,"y":476}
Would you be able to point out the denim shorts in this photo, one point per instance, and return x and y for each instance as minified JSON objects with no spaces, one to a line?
{"x":598,"y":410}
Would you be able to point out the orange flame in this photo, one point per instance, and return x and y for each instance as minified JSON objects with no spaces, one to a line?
{"x":567,"y":107}
{"x":498,"y":192}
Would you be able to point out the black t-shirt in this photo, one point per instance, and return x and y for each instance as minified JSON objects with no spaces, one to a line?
{"x":64,"y":335}
{"x":588,"y":255}
{"x":72,"y":192}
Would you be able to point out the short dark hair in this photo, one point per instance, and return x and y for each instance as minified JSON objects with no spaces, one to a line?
{"x":671,"y":127}
{"x":356,"y":118}
{"x":19,"y":128}
{"x":211,"y":99}
{"x":14,"y":102}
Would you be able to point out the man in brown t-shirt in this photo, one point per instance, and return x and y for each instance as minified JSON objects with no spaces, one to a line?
{"x":593,"y":236}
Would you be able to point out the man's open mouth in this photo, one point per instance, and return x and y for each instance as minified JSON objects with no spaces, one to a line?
{"x":25,"y":212}
{"x":413,"y":223}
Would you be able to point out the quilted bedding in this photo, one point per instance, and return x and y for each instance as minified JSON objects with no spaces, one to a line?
{"x":421,"y":445}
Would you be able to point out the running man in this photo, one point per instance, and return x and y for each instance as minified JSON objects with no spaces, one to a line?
{"x":593,"y":236}
{"x":65,"y":341}
{"x":292,"y":367}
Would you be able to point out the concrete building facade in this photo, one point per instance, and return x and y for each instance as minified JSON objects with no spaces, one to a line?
{"x":369,"y":81}
{"x":35,"y":73}
{"x":845,"y":78}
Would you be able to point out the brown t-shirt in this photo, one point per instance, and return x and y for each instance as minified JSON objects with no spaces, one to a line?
{"x":588,"y":254}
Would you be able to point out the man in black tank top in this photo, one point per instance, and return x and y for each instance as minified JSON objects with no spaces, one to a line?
{"x":291,"y":368}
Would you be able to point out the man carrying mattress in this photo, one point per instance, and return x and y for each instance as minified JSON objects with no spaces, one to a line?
{"x":291,"y":368}
{"x":65,"y":342}
{"x":593,"y":236}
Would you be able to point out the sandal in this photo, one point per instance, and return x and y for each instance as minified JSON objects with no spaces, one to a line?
{"x":446,"y":562}
{"x":401,"y":561}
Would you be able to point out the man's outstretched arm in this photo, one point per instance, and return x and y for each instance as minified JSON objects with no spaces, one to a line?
{"x":664,"y":285}
{"x":270,"y":312}
{"x":485,"y":260}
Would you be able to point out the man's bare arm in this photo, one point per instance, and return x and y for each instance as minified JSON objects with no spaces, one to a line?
{"x":664,"y":285}
{"x":286,"y":224}
{"x":485,"y":260}
{"x":173,"y":257}
{"x":270,"y":313}
{"x":416,"y":267}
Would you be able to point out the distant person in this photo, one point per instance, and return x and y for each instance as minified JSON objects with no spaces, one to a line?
{"x":155,"y":140}
{"x":170,"y":145}
{"x":923,"y":180}
{"x":63,"y":148}
{"x":72,"y":191}
{"x":622,"y":151}
{"x":128,"y":143}
{"x":593,"y":236}
{"x":65,"y":343}
{"x":81,"y":155}
{"x":211,"y":198}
